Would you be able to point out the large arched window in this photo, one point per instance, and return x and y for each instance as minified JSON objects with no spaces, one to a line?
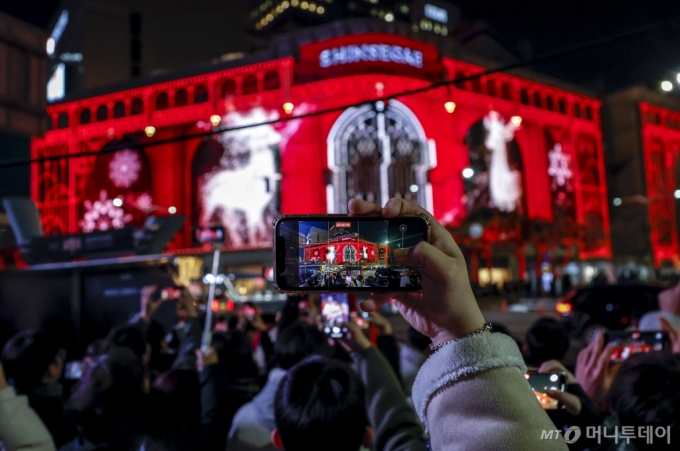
{"x":376,"y":152}
{"x":124,"y":175}
{"x":349,"y":253}
{"x":236,"y":178}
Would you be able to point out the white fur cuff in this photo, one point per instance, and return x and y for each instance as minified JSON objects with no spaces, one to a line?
{"x":463,"y":358}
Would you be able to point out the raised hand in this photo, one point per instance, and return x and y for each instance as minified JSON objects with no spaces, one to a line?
{"x":446,"y":308}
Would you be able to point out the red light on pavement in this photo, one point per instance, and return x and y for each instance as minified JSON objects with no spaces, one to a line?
{"x":563,"y":307}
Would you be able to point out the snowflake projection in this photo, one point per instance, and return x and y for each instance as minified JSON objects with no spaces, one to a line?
{"x":124,"y":168}
{"x":103,"y":215}
{"x":145,"y":203}
{"x":559,"y":168}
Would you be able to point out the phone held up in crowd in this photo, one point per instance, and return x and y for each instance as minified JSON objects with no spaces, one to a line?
{"x":345,"y":254}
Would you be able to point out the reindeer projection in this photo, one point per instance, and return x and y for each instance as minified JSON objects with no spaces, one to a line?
{"x":331,"y":254}
{"x":505,"y":183}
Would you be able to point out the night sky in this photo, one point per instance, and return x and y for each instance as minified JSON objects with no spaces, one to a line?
{"x":547,"y":27}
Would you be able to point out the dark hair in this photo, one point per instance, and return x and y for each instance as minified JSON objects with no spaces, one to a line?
{"x":646,"y":392}
{"x":126,"y":336}
{"x":418,"y":340}
{"x":235,"y":354}
{"x":95,"y":348}
{"x":178,"y":398}
{"x":320,"y":405}
{"x":298,"y":341}
{"x":546,"y":340}
{"x":108,"y":403}
{"x":26,"y":357}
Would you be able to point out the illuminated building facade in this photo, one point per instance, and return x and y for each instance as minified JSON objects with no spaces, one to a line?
{"x":512,"y":166}
{"x":644,"y":177}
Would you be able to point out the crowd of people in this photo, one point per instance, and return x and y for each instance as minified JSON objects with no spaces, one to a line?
{"x":375,"y":277}
{"x":277,"y":382}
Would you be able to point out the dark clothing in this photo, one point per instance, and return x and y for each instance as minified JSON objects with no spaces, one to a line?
{"x":589,"y":416}
{"x":48,"y":403}
{"x":389,"y":347}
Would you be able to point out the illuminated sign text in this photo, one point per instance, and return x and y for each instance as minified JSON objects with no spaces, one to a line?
{"x":371,"y":52}
{"x":436,"y":13}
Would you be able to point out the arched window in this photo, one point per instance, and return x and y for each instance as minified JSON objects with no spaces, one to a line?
{"x":349,"y":253}
{"x":137,"y":106}
{"x":181,"y":97}
{"x":228,"y":88}
{"x":365,"y":166}
{"x":549,"y":103}
{"x":162,"y":102}
{"x":200,"y":94}
{"x":505,"y":91}
{"x":236,"y":182}
{"x":476,"y":85}
{"x":524,"y":97}
{"x":249,"y":84}
{"x":577,"y":109}
{"x":537,"y":100}
{"x":102,"y":113}
{"x":124,"y":174}
{"x":62,"y":120}
{"x":589,"y":113}
{"x":85,"y":116}
{"x":491,"y":88}
{"x":118,"y":110}
{"x":562,"y":106}
{"x":272,"y":80}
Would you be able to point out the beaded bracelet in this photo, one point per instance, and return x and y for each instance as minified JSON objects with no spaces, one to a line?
{"x":486,"y":327}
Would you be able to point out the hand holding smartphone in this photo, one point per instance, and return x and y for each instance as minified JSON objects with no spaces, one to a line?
{"x":335,"y":313}
{"x":542,"y":383}
{"x":340,"y":253}
{"x":630,"y":343}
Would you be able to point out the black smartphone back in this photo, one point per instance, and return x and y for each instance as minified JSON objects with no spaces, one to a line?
{"x":340,"y":253}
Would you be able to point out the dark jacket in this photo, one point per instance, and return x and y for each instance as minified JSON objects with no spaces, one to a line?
{"x":48,"y":403}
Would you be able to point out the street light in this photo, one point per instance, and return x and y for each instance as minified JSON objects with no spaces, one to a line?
{"x":676,"y":193}
{"x":468,"y":173}
{"x":666,"y":85}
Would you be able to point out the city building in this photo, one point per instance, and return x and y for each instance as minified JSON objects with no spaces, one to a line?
{"x":512,"y":164}
{"x":643,"y":128}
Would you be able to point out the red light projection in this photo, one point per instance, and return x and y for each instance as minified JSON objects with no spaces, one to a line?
{"x":409,"y":146}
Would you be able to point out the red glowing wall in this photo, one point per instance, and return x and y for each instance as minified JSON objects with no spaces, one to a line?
{"x":185,"y":106}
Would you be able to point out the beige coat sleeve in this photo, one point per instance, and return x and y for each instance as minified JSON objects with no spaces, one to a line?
{"x":472,"y":395}
{"x":20,"y":427}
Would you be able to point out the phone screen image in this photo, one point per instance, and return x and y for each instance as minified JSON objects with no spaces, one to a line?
{"x":630,"y":343}
{"x":73,"y":370}
{"x":346,"y":254}
{"x":334,"y":312}
{"x":540,"y":383}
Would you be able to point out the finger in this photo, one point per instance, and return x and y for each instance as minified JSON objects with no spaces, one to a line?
{"x":595,"y":349}
{"x":439,"y":235}
{"x":362,"y":207}
{"x":667,"y":327}
{"x":571,"y":402}
{"x":605,"y":358}
{"x":551,"y":366}
{"x":431,"y":262}
{"x":375,"y":301}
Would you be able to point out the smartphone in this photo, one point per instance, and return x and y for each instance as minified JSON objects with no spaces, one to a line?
{"x":249,"y":311}
{"x":213,"y":234}
{"x":363,"y":319}
{"x":170,"y":293}
{"x":73,"y":370}
{"x":629,"y":343}
{"x":541,"y":383}
{"x":334,"y":312}
{"x":340,"y":253}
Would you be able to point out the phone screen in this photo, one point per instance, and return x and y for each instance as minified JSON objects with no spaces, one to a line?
{"x":213,"y":234}
{"x":541,"y":383}
{"x":629,"y":343}
{"x":346,"y":254}
{"x":334,"y":312}
{"x":73,"y":370}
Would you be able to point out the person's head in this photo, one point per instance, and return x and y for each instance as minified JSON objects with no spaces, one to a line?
{"x":418,"y":340}
{"x":320,"y":404}
{"x":127,"y":336}
{"x":108,"y":401}
{"x":298,"y":341}
{"x":178,"y":398}
{"x":646,"y":392}
{"x":181,"y":311}
{"x":545,"y":340}
{"x":31,"y":359}
{"x":235,"y":353}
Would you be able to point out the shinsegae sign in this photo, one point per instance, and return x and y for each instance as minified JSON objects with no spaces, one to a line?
{"x":371,"y":53}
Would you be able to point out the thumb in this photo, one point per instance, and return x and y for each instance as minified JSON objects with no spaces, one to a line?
{"x":668,"y":328}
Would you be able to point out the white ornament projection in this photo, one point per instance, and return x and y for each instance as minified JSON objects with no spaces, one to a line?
{"x":145,"y":203}
{"x":245,"y":191}
{"x":124,"y":168}
{"x":505,"y":184}
{"x":103,"y":215}
{"x":559,"y":166}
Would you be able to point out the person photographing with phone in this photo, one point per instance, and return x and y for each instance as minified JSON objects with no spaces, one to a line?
{"x":471,"y":393}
